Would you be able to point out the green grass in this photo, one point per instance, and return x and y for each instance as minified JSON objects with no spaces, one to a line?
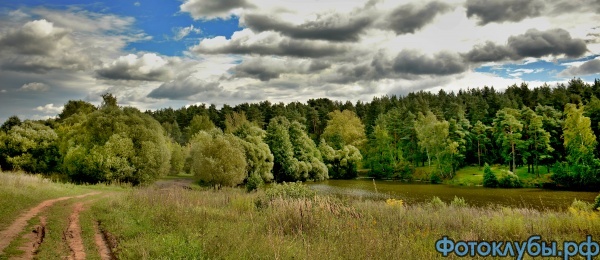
{"x":20,"y":191}
{"x":228,"y":224}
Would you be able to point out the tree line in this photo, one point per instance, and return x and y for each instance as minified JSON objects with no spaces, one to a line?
{"x":262,"y":142}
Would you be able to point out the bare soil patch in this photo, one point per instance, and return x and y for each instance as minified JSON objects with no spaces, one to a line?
{"x":73,"y":234}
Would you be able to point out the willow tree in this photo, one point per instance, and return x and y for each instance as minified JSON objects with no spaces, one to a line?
{"x":218,"y":159}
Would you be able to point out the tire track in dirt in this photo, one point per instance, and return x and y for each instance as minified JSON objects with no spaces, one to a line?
{"x":73,"y":234}
{"x":9,"y":234}
{"x":102,"y":243}
{"x":34,"y":240}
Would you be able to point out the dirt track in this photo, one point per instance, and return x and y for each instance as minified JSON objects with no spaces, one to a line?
{"x":72,"y":235}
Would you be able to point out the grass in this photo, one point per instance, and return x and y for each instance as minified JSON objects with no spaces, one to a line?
{"x":228,"y":224}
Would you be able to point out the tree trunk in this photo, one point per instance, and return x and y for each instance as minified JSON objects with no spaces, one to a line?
{"x":478,"y":154}
{"x":513,"y":160}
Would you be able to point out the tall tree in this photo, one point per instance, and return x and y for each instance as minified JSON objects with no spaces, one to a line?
{"x":344,"y":128}
{"x":433,"y":136}
{"x":508,"y":128}
{"x":480,"y":132}
{"x":579,"y":139}
{"x":537,"y":140}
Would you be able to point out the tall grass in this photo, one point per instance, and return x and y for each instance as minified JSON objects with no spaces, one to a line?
{"x":231,"y":224}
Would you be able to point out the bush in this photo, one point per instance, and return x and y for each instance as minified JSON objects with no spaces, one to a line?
{"x":435,"y":178}
{"x":458,"y":202}
{"x":489,"y":178}
{"x":254,"y":182}
{"x":436,"y":203}
{"x":510,"y":181}
{"x":581,"y":205}
{"x":596,"y":205}
{"x":292,"y":190}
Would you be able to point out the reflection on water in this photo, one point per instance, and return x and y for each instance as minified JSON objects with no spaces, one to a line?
{"x":477,"y":196}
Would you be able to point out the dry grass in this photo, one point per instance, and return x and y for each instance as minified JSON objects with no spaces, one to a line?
{"x":178,"y":223}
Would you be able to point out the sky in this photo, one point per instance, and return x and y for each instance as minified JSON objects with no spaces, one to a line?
{"x":155,"y":54}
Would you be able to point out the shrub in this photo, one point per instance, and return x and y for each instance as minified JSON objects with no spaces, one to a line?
{"x":510,"y":181}
{"x":436,"y":203}
{"x":254,"y":182}
{"x":489,"y":178}
{"x":435,"y":178}
{"x":458,"y":202}
{"x":580,"y":205}
{"x":596,"y":205}
{"x":292,"y":190}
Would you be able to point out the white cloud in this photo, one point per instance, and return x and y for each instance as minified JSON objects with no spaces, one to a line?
{"x":49,"y":109}
{"x":182,"y":32}
{"x":137,"y":4}
{"x":35,"y":86}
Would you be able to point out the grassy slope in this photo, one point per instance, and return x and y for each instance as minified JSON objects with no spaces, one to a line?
{"x":473,"y":175}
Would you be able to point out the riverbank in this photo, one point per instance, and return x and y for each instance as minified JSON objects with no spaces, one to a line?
{"x":191,"y":222}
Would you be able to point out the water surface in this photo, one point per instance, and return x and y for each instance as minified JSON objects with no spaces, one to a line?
{"x":477,"y":196}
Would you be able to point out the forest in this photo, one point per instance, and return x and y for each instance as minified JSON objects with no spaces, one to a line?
{"x":252,"y":144}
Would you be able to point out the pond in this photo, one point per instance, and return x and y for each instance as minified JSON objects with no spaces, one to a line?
{"x":477,"y":196}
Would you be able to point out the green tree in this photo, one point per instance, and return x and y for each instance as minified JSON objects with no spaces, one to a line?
{"x":218,"y":159}
{"x":489,"y":178}
{"x":178,"y":155}
{"x":10,"y":123}
{"x":380,"y":153}
{"x":258,"y":155}
{"x":197,"y":124}
{"x":344,"y":128}
{"x":433,"y":137}
{"x":341,"y":163}
{"x":579,"y":139}
{"x":278,"y":139}
{"x":31,"y":147}
{"x":480,"y":132}
{"x":113,"y":144}
{"x":537,"y":140}
{"x":76,"y":106}
{"x":508,"y":128}
{"x":310,"y":163}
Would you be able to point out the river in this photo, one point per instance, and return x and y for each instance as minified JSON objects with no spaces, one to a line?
{"x":477,"y":196}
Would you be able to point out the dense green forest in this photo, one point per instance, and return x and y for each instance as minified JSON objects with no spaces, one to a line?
{"x":263,"y":142}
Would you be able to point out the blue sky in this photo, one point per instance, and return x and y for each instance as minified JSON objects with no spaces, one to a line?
{"x":161,"y":53}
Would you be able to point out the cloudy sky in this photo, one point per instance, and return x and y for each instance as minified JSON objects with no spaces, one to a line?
{"x":160,"y":53}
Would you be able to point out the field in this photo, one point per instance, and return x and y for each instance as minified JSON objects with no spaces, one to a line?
{"x":176,"y":222}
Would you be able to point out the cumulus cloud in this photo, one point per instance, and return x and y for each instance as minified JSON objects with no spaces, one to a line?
{"x":186,"y":88}
{"x":587,"y":68}
{"x":182,"y":32}
{"x":49,"y":109}
{"x":268,"y":43}
{"x":536,"y":43}
{"x":532,"y":43}
{"x":210,"y":9}
{"x":443,"y":63}
{"x":267,"y":68}
{"x":148,"y":66}
{"x":34,"y":86}
{"x":331,"y":27}
{"x":489,"y":11}
{"x":409,"y":18}
{"x":38,"y":37}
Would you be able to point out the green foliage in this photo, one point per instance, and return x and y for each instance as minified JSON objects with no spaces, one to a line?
{"x":218,"y":159}
{"x":581,"y":205}
{"x":10,"y":123}
{"x":344,"y":128}
{"x":258,"y":155}
{"x":178,"y":156}
{"x":197,"y":124}
{"x":480,"y":133}
{"x":510,"y":181}
{"x":489,"y":178}
{"x":380,"y":154}
{"x":579,"y":139}
{"x":73,"y":107}
{"x":254,"y":182}
{"x":434,"y":178}
{"x":289,"y":190}
{"x":436,"y":203}
{"x":507,"y":130}
{"x":458,"y":202}
{"x":295,"y":154}
{"x":31,"y":147}
{"x":341,"y":163}
{"x":113,"y":144}
{"x":596,"y":205}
